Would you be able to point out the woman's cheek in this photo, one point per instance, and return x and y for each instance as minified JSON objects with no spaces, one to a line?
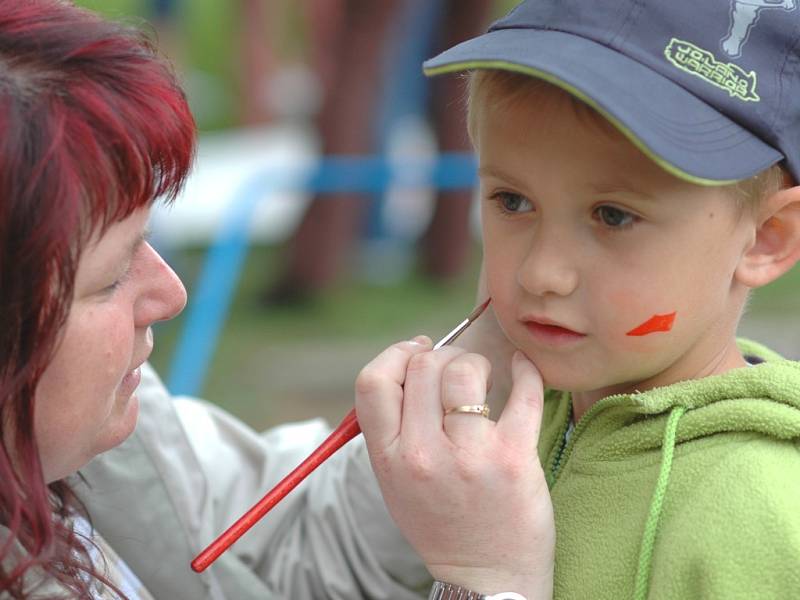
{"x":112,"y":339}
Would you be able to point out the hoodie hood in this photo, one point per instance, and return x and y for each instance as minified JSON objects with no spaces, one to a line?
{"x":628,"y":432}
{"x":763,"y":398}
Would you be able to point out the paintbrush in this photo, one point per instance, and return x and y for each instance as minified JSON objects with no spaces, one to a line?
{"x":346,"y":431}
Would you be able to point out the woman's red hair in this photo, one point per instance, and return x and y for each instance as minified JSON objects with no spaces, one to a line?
{"x":92,"y":126}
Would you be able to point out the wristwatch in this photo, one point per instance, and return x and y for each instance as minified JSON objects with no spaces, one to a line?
{"x":449,"y":591}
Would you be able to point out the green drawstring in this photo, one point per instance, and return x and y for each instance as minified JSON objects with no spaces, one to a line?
{"x":656,"y":504}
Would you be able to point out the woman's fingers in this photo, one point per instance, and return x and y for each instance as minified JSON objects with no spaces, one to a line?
{"x":463,"y":492}
{"x":379,"y":391}
{"x":465,"y":381}
{"x":522,"y":416}
{"x":422,"y":405}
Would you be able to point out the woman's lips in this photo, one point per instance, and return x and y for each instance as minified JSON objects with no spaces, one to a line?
{"x":130,"y":382}
{"x":552,"y":334}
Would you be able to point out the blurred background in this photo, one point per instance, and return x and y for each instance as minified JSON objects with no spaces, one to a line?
{"x":330,"y":211}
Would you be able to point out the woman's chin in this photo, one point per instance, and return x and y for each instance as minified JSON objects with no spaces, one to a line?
{"x":123,"y":426}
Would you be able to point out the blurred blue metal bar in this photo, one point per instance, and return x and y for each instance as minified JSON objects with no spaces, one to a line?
{"x":406,"y":89}
{"x":210,"y":299}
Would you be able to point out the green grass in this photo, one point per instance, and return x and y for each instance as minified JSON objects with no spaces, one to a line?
{"x":780,"y":297}
{"x":274,"y":364}
{"x":352,"y":310}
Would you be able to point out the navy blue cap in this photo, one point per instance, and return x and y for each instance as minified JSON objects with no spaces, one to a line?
{"x":709,"y":89}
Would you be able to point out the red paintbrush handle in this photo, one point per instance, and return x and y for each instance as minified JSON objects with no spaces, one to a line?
{"x":346,"y":431}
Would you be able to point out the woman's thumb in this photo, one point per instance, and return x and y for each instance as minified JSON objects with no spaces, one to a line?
{"x":522,"y":415}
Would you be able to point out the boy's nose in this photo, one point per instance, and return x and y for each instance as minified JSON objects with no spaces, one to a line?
{"x":163,"y":295}
{"x":547,"y":269}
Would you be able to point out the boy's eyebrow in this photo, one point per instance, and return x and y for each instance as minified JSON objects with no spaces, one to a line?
{"x":606,"y":187}
{"x":620,"y":186}
{"x":490,"y":171}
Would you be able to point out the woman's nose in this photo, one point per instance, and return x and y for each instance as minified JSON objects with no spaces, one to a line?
{"x":163,"y":295}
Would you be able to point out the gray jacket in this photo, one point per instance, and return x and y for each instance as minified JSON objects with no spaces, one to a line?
{"x":191,"y":469}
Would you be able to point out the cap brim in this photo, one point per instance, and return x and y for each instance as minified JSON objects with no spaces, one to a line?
{"x":676,"y":129}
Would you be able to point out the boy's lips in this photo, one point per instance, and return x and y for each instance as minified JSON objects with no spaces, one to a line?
{"x":549,"y":331}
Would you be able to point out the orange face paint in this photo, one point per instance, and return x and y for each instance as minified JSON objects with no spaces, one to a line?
{"x":654,"y":324}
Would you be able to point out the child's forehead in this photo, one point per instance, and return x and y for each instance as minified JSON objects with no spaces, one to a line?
{"x":498,"y":93}
{"x":522,"y":131}
{"x":539,"y":114}
{"x":553,"y":103}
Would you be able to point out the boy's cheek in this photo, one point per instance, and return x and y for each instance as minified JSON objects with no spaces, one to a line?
{"x":500,"y":281}
{"x":638,"y":316}
{"x":504,"y":310}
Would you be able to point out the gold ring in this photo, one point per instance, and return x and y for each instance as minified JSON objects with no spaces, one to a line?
{"x":470,"y":409}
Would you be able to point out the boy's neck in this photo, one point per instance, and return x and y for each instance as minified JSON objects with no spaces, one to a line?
{"x":730,"y":357}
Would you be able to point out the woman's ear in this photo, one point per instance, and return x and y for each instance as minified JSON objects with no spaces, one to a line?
{"x":776,"y":247}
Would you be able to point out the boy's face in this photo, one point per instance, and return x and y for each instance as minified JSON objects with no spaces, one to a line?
{"x":583,"y":231}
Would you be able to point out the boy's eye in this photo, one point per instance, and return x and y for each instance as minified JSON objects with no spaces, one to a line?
{"x":511,"y":202}
{"x":614,"y":217}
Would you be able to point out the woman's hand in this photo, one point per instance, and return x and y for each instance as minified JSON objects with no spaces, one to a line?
{"x":486,"y":337}
{"x":468,"y":493}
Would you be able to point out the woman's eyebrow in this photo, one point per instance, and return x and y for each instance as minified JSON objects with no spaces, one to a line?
{"x":140,"y":239}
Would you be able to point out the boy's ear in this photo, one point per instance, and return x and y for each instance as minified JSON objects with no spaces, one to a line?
{"x":776,"y":247}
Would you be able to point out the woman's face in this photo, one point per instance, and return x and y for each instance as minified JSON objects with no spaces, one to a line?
{"x":86,"y":401}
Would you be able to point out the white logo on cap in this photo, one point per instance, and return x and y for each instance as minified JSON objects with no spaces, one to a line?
{"x":744,"y":15}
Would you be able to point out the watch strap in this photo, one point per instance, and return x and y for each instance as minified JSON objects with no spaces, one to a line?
{"x":448,"y":591}
{"x":442,"y":590}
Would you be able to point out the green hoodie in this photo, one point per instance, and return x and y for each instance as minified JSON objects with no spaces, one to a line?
{"x":686,"y":491}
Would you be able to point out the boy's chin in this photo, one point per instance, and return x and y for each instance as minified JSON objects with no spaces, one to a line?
{"x":607,"y":373}
{"x":564,"y":383}
{"x":584,"y":382}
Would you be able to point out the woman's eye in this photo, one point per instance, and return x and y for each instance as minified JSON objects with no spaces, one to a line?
{"x":114,"y":286}
{"x":511,"y":202}
{"x":615,"y":218}
{"x":119,"y":282}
